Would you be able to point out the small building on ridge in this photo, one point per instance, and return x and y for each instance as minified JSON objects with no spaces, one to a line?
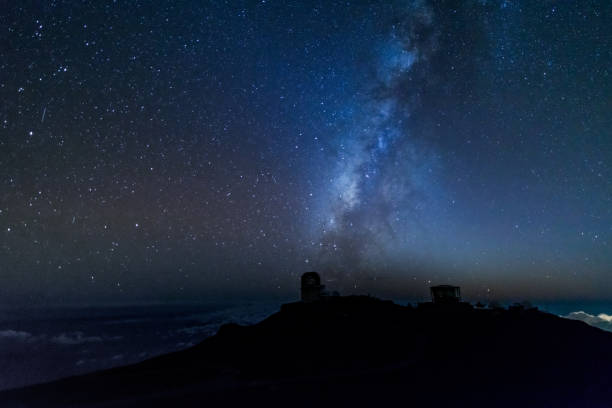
{"x":444,"y":294}
{"x":312,"y":289}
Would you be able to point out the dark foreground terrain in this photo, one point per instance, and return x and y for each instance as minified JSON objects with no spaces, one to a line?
{"x":361,"y":351}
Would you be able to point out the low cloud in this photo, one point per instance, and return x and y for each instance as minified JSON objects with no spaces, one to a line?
{"x":65,"y":339}
{"x":602,"y":320}
{"x":15,"y":335}
{"x":75,"y":338}
{"x":207,"y":330}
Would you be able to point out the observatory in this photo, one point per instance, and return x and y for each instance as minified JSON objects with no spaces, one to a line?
{"x":311,"y":287}
{"x":444,"y":294}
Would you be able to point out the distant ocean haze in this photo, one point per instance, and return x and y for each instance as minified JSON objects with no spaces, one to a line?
{"x":39,"y":345}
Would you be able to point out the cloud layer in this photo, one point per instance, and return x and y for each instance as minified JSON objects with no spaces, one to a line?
{"x":602,"y":320}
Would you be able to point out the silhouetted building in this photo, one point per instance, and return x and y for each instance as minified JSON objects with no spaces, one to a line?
{"x":445,"y":294}
{"x":311,"y":287}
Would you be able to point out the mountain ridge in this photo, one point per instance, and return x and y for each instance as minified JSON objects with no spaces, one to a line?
{"x":359,"y":350}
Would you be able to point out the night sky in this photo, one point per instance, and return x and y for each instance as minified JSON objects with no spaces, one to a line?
{"x":185,"y":150}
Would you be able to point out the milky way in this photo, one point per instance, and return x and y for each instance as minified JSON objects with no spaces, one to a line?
{"x":383,"y":176}
{"x":156,"y":150}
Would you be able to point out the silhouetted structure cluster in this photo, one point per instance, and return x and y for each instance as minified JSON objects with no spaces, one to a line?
{"x":443,"y":297}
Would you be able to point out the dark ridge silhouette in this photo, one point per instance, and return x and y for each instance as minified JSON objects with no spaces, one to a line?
{"x":363,"y":351}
